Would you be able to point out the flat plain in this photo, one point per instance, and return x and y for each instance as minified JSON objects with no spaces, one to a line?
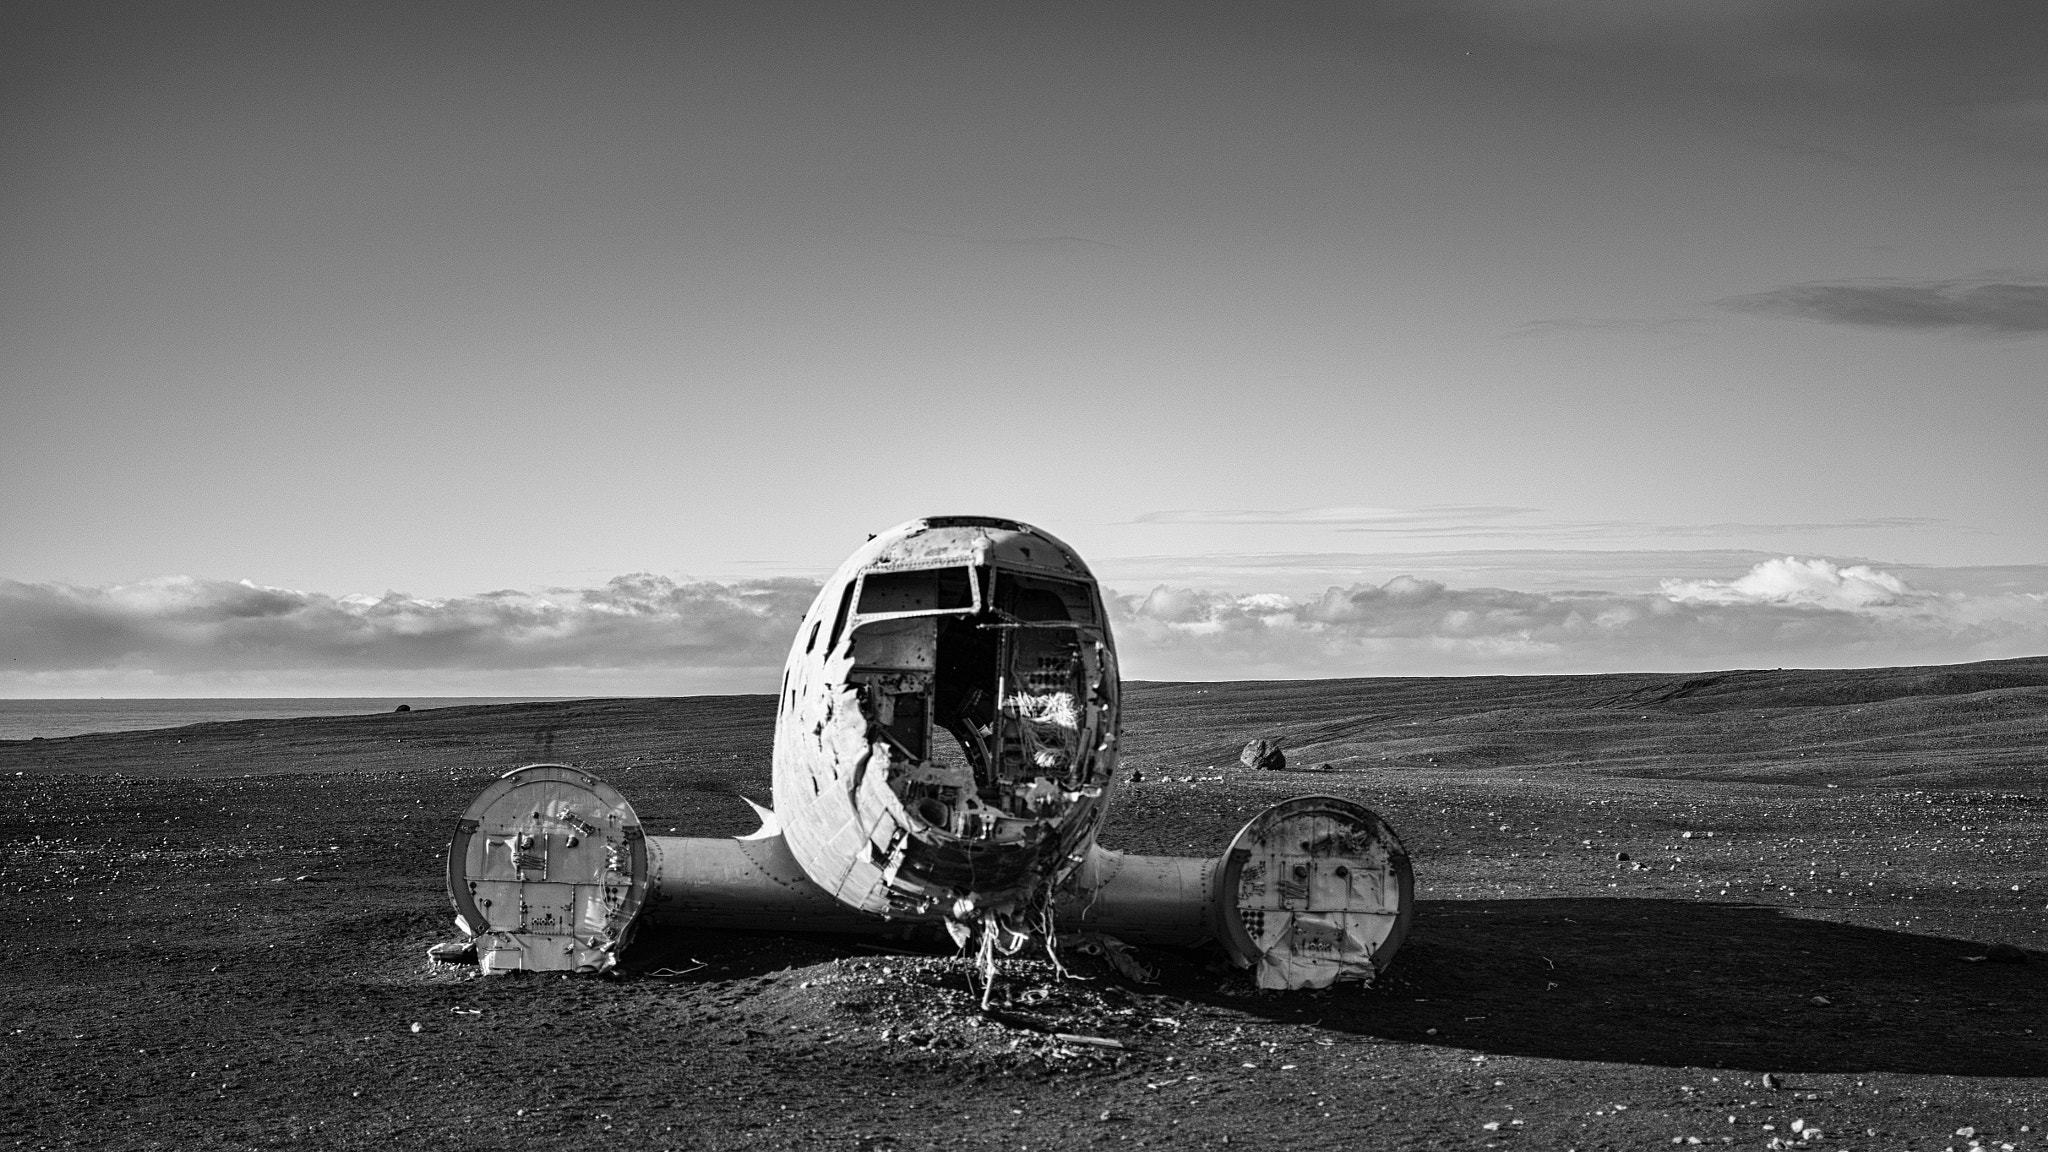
{"x":1639,"y":897}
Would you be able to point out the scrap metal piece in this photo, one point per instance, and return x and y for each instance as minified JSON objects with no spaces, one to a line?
{"x":1312,"y":891}
{"x":547,"y":870}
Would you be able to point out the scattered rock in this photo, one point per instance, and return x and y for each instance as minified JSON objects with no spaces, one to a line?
{"x":1263,"y":755}
{"x":1621,"y":855}
{"x":2006,"y":954}
{"x":1821,"y":1002}
{"x":1137,"y":776}
{"x":1773,"y":1081}
{"x":403,"y":708}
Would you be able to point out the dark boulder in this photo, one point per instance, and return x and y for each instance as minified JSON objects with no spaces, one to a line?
{"x":1263,"y":755}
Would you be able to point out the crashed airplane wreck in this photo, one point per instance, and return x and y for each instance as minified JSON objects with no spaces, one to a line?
{"x":945,"y":750}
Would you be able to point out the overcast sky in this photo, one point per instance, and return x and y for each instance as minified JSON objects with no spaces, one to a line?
{"x":1716,"y":331}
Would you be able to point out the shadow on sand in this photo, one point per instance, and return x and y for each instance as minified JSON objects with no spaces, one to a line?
{"x":1678,"y":983}
{"x":1654,"y":982}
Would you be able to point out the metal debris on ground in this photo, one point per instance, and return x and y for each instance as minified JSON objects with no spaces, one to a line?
{"x":1091,"y":1041}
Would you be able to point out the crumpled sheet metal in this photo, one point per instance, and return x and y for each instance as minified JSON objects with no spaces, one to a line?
{"x":1313,"y":891}
{"x":547,"y":870}
{"x":844,"y":821}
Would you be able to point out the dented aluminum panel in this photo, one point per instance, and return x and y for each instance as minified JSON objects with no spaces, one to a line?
{"x":547,"y":869}
{"x":1315,"y":890}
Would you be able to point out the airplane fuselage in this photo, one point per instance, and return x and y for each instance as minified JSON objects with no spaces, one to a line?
{"x":945,"y":738}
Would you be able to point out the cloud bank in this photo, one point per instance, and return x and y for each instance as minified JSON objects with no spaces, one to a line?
{"x":179,"y":630}
{"x":651,"y":635}
{"x":1783,"y":612}
{"x":1981,"y":307}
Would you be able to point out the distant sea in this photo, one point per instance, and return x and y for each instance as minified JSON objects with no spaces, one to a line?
{"x":26,"y":719}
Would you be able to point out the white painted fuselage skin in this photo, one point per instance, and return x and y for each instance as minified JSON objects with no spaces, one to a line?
{"x":946,"y":732}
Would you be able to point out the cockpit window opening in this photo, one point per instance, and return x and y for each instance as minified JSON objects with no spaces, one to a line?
{"x":1028,"y":599}
{"x":839,"y":621}
{"x":926,"y":590}
{"x":973,"y":522}
{"x":981,"y":683}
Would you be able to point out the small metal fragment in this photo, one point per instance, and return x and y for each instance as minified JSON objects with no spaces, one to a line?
{"x":1090,"y":1041}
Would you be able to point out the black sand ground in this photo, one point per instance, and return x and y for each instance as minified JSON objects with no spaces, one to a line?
{"x":215,"y":936}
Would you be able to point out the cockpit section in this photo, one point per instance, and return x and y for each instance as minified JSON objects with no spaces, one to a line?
{"x":991,"y":690}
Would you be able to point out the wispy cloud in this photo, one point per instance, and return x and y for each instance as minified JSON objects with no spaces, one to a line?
{"x":1505,"y":521}
{"x":1990,"y":308}
{"x":1017,"y":244}
{"x":1341,"y":516}
{"x":1573,"y":530}
{"x":1602,"y":325}
{"x":1591,"y":530}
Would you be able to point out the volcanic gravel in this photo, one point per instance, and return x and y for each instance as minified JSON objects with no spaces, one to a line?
{"x":1637,"y":897}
